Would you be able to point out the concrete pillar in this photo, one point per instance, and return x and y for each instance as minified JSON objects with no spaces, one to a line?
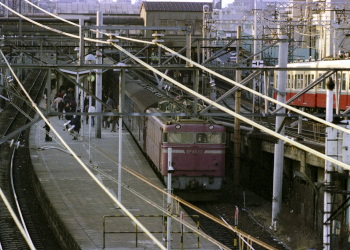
{"x":81,"y":63}
{"x":188,"y":47}
{"x":279,"y":147}
{"x":120,"y":122}
{"x":330,"y":150}
{"x":237,"y":134}
{"x":99,"y":20}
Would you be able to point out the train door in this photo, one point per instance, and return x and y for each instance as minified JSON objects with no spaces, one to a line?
{"x":320,"y":93}
{"x":309,"y":99}
{"x":300,"y":86}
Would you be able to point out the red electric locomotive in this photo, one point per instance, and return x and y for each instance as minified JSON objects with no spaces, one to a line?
{"x":198,"y":146}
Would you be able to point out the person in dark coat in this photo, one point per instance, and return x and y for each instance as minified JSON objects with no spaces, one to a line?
{"x":60,"y":107}
{"x":75,"y":126}
{"x":47,"y":132}
{"x":68,"y":109}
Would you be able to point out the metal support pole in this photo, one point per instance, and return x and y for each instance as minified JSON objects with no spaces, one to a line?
{"x":99,"y":22}
{"x":81,"y":63}
{"x":199,"y":52}
{"x":266,"y":86}
{"x":327,"y":207}
{"x":300,"y":123}
{"x":48,"y":84}
{"x":279,"y":146}
{"x":120,"y":120}
{"x":90,"y":119}
{"x":237,"y":134}
{"x":188,"y":48}
{"x":169,"y":200}
{"x":195,"y":88}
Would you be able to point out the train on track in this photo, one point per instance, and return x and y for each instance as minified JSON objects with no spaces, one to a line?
{"x":198,"y":145}
{"x":302,"y":74}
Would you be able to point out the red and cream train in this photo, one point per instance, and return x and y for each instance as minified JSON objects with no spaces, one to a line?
{"x":301,"y":74}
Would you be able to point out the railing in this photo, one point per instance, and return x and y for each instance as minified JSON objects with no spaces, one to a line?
{"x":136,"y":231}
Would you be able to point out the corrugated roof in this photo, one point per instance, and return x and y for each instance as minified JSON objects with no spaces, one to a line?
{"x":176,"y":6}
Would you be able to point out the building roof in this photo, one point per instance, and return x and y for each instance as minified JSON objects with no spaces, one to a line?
{"x":176,"y":6}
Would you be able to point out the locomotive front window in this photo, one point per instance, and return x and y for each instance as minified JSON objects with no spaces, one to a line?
{"x":211,"y":138}
{"x":180,"y":137}
{"x":189,"y":137}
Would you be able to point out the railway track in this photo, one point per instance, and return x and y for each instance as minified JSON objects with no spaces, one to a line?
{"x":225,"y":211}
{"x":15,"y":169}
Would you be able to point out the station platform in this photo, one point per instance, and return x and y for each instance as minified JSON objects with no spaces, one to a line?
{"x":82,"y":212}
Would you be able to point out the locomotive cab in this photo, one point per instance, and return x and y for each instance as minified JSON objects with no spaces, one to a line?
{"x":198,"y":155}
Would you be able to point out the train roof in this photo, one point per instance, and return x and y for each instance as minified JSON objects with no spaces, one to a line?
{"x":327,"y":64}
{"x":143,"y":97}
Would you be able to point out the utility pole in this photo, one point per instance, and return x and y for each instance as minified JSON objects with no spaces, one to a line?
{"x":330,"y":150}
{"x":279,"y":146}
{"x":99,"y":22}
{"x":237,"y":133}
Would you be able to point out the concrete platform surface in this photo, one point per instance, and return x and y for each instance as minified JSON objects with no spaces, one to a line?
{"x":78,"y":206}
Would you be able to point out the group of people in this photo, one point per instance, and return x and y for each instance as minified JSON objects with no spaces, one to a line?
{"x":64,"y":102}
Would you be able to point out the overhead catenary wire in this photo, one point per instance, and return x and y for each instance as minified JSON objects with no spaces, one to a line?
{"x":53,"y":15}
{"x":188,"y":225}
{"x":18,"y":223}
{"x":197,"y":65}
{"x":160,"y":189}
{"x":224,"y":78}
{"x":104,"y":188}
{"x":255,"y":124}
{"x":180,"y":200}
{"x":242,"y":118}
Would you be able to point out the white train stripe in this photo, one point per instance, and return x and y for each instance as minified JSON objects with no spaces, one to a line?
{"x":177,"y":151}
{"x":214,"y":151}
{"x":192,"y":151}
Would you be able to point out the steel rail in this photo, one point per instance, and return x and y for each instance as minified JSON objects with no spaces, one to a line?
{"x":18,"y":207}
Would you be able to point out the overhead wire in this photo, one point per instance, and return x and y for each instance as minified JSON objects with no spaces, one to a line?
{"x":53,"y":15}
{"x":201,"y":67}
{"x":346,"y":166}
{"x":132,"y":217}
{"x":64,"y":143}
{"x":15,"y":218}
{"x":135,"y":192}
{"x":242,"y":118}
{"x":180,"y":200}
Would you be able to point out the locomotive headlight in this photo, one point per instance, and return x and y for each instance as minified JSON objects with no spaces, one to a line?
{"x":211,"y":127}
{"x":177,"y":126}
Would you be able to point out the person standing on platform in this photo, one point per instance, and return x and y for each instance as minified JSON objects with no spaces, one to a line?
{"x":109,"y":108}
{"x":75,"y":126}
{"x":47,"y":132}
{"x":60,"y":107}
{"x":56,"y":101}
{"x":92,"y":109}
{"x":67,"y":109}
{"x":114,"y":121}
